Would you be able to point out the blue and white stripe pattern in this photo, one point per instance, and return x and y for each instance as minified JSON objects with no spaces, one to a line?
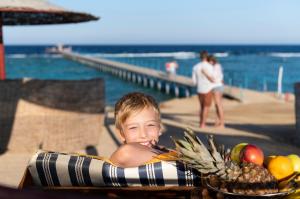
{"x":58,"y":169}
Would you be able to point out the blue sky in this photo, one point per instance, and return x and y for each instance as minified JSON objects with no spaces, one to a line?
{"x":170,"y":22}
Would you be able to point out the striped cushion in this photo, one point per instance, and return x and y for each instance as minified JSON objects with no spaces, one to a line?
{"x":59,"y":169}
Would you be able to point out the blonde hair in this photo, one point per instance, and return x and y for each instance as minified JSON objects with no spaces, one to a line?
{"x":132,"y":103}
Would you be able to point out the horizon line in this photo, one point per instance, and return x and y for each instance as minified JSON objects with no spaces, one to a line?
{"x":156,"y":44}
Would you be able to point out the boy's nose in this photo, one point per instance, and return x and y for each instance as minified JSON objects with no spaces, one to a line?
{"x":143,"y":133}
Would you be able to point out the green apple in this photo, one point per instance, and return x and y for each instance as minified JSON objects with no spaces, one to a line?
{"x":296,"y":161}
{"x":235,"y":152}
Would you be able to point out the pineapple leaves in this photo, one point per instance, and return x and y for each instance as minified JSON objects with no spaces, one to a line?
{"x":214,"y":152}
{"x":196,"y":155}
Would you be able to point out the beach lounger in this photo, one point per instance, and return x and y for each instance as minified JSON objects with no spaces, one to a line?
{"x":61,"y":171}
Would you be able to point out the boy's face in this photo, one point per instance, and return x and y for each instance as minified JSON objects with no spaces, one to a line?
{"x":142,"y":127}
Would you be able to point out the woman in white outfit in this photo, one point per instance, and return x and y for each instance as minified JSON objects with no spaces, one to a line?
{"x":218,"y":90}
{"x":203,"y":79}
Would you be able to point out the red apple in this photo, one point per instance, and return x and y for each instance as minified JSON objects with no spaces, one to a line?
{"x":252,"y":153}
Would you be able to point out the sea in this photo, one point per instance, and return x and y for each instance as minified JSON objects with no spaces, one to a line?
{"x":246,"y":66}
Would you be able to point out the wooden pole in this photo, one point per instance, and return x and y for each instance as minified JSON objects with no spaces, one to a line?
{"x":2,"y":60}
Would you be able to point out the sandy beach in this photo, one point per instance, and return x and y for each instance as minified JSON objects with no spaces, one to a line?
{"x":261,"y":119}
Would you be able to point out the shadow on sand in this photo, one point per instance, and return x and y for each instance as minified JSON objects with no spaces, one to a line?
{"x":78,"y":96}
{"x":264,"y":135}
{"x":267,"y":137}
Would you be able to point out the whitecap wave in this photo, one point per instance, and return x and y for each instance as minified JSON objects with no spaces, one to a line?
{"x":221,"y":54}
{"x":285,"y":55}
{"x":22,"y":56}
{"x":17,"y":56}
{"x":176,"y":55}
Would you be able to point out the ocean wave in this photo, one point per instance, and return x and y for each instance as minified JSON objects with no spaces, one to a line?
{"x":176,"y":55}
{"x":221,"y":54}
{"x":285,"y":55}
{"x":23,"y":56}
{"x":17,"y":56}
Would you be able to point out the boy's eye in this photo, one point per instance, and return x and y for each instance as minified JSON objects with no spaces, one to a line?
{"x":131,"y":128}
{"x":153,"y":124}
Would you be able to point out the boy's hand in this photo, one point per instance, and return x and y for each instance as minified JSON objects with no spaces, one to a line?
{"x":159,"y":149}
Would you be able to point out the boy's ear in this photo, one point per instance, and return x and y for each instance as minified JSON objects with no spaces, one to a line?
{"x":162,"y":129}
{"x":121,"y":134}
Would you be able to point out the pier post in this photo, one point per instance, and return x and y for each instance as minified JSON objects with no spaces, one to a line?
{"x":176,"y":90}
{"x":145,"y":82}
{"x":187,"y":92}
{"x":159,"y":85}
{"x":133,"y":78}
{"x":139,"y":79}
{"x":167,"y":88}
{"x":151,"y":83}
{"x":279,"y":82}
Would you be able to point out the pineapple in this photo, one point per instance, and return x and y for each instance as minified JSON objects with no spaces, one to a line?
{"x":221,"y":172}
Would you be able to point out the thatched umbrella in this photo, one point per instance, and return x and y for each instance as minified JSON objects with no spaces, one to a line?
{"x":34,"y":12}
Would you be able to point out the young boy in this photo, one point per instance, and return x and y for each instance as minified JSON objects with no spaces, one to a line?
{"x":137,"y":120}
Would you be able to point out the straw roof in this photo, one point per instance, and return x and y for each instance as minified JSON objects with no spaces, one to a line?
{"x":34,"y":12}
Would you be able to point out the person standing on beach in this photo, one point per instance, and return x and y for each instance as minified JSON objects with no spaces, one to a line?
{"x":203,"y":78}
{"x":218,"y":90}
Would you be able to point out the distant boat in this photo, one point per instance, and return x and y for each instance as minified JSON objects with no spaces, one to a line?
{"x":58,"y":48}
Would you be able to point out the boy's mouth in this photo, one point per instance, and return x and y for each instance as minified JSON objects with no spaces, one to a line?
{"x":148,"y":143}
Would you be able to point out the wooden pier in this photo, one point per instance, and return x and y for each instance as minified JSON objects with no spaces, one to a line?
{"x":180,"y":86}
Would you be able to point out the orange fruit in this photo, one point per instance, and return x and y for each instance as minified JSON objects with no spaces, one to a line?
{"x":280,"y":167}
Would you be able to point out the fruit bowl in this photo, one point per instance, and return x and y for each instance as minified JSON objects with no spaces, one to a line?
{"x":237,"y":196}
